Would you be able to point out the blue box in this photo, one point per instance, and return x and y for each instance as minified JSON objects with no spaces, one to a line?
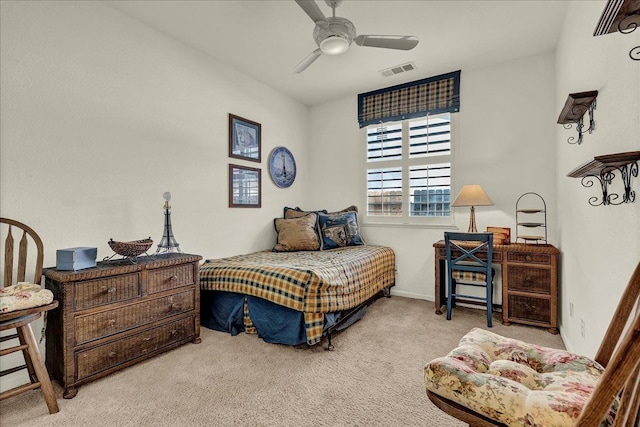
{"x":76,"y":258}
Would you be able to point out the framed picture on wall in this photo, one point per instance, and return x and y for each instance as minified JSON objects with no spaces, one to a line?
{"x":245,"y":187}
{"x":244,"y":138}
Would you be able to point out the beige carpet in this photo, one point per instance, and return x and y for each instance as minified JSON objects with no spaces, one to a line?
{"x":373,"y":378}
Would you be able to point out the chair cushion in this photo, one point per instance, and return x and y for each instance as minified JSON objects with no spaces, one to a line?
{"x":513,"y":382}
{"x":470,"y":276}
{"x":22,"y":296}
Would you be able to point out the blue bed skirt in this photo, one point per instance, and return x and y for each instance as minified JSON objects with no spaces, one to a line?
{"x":224,"y":311}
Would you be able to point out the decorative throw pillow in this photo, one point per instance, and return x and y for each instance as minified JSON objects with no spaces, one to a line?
{"x":297,"y":234}
{"x":340,"y":230}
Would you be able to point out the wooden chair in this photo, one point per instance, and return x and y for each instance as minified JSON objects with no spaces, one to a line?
{"x":466,"y":265}
{"x":616,"y":386}
{"x":21,"y":320}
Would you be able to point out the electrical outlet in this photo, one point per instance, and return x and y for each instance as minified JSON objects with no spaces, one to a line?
{"x":582,"y":327}
{"x":571,"y":309}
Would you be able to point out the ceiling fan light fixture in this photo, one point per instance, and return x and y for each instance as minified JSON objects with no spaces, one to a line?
{"x":334,"y":45}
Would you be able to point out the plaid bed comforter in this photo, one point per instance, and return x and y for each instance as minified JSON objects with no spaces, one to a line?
{"x":313,"y":282}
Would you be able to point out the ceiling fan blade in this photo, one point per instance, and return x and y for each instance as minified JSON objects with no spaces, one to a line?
{"x":388,"y":42}
{"x":307,"y":61}
{"x":311,"y":8}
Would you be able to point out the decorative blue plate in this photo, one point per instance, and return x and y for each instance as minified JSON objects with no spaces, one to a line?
{"x":282,"y":167}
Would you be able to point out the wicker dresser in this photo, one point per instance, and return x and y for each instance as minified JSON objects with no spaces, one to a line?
{"x":118,"y":314}
{"x":530,"y":291}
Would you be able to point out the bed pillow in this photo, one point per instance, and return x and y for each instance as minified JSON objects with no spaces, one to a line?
{"x":297,"y":212}
{"x":297,"y":234}
{"x":352,"y":208}
{"x":339,"y":230}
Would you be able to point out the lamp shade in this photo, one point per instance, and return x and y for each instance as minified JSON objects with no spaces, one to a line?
{"x":472,"y":195}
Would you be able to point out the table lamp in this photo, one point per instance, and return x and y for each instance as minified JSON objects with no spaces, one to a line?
{"x":168,"y":242}
{"x":472,"y":195}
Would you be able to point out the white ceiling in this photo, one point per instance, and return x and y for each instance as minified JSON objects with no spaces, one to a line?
{"x":266,"y":39}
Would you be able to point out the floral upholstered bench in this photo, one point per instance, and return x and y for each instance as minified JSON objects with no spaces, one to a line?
{"x":509,"y":380}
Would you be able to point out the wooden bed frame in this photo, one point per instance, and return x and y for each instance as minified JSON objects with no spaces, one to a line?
{"x":619,"y":354}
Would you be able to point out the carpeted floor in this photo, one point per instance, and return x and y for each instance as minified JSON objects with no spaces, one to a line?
{"x":373,"y":378}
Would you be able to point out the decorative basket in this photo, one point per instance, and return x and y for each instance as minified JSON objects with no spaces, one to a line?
{"x":131,"y":249}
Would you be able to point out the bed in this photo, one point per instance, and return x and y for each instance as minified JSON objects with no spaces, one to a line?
{"x":294,"y":297}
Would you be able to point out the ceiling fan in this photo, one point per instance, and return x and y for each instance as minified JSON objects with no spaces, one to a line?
{"x":334,"y":35}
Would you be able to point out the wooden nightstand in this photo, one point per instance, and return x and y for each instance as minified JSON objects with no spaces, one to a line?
{"x":118,"y":314}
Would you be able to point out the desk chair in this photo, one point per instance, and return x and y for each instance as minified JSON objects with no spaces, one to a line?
{"x":466,"y":265}
{"x":21,"y":319}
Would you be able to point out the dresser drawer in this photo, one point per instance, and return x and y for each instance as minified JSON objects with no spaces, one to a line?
{"x":93,"y":293}
{"x":529,"y":279}
{"x":529,"y":308}
{"x":529,"y":257}
{"x":101,"y":358}
{"x":163,"y":279}
{"x":111,"y":322}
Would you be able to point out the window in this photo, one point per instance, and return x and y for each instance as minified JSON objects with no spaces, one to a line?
{"x":409,"y":170}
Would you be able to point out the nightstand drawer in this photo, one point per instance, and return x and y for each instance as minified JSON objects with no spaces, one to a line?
{"x":529,"y":257}
{"x":529,"y":279}
{"x":163,"y":279}
{"x":111,"y":322}
{"x":529,"y":308}
{"x":98,"y":359}
{"x":93,"y":293}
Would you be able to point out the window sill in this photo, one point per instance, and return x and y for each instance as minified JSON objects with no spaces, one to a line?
{"x":408,"y":225}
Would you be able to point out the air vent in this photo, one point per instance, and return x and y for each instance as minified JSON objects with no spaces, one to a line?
{"x":409,"y":66}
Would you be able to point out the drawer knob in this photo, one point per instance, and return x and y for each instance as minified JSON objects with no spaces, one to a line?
{"x":175,"y":306}
{"x":111,"y":290}
{"x":528,"y":258}
{"x":528,"y":280}
{"x":112,"y":354}
{"x":529,"y":308}
{"x":111,"y":322}
{"x":173,"y":278}
{"x":146,"y":339}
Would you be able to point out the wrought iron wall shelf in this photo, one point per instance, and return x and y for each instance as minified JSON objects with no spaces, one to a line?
{"x":602,"y":169}
{"x":574,"y":110}
{"x":622,"y":16}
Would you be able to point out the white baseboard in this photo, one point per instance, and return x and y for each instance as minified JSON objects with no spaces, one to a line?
{"x":411,"y":295}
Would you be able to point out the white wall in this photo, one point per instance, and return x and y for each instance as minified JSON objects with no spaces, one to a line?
{"x":601,"y":245}
{"x":100,"y":115}
{"x":504,"y":139}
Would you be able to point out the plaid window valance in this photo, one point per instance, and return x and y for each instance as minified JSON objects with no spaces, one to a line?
{"x":433,"y":95}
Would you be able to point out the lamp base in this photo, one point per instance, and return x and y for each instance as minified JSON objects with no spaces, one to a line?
{"x":472,"y":221}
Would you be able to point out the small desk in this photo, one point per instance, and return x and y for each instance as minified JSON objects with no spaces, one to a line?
{"x":529,"y":282}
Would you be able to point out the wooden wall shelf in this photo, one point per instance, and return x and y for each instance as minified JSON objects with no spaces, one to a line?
{"x":620,"y":16}
{"x":603,"y":169}
{"x":574,"y":109}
